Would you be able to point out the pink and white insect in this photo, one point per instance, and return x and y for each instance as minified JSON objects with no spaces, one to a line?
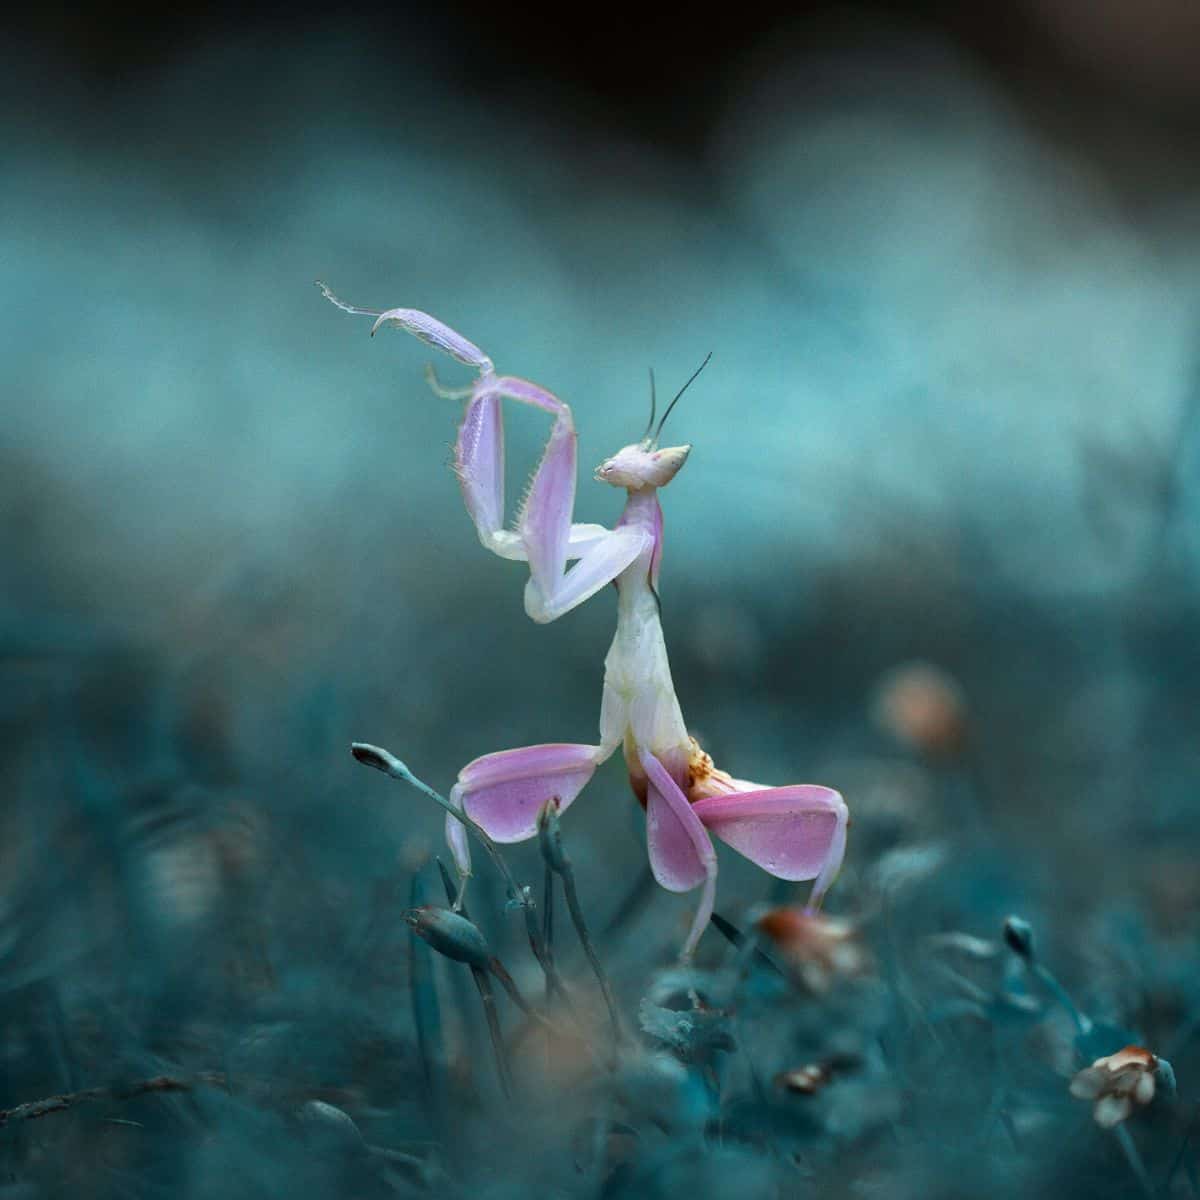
{"x":796,"y":832}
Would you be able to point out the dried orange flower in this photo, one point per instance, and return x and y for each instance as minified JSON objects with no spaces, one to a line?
{"x":924,"y":708}
{"x":818,"y":948}
{"x":812,"y":1077}
{"x":1116,"y":1083}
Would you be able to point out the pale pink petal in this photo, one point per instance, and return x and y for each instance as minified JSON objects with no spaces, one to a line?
{"x":833,"y":862}
{"x":1112,"y":1110}
{"x":681,"y":856}
{"x":505,"y":791}
{"x":795,"y":832}
{"x":1089,"y":1083}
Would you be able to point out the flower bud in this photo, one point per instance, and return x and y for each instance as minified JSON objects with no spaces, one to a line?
{"x":1019,"y":936}
{"x":371,"y":756}
{"x":450,"y":934}
{"x":331,"y":1129}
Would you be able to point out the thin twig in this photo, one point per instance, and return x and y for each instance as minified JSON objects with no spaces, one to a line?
{"x":1050,"y":983}
{"x":736,"y":938}
{"x":1125,"y":1141}
{"x":427,"y":1015}
{"x":568,"y":878}
{"x":548,"y":917}
{"x":634,"y":899}
{"x":556,"y":860}
{"x":509,"y":984}
{"x":548,"y":938}
{"x":397,"y":1158}
{"x":34,"y":1109}
{"x":1183,"y":1147}
{"x":487,"y":995}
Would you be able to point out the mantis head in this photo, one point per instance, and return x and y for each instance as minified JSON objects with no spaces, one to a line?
{"x":644,"y":464}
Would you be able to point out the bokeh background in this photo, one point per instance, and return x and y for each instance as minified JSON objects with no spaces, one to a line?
{"x":948,"y":261}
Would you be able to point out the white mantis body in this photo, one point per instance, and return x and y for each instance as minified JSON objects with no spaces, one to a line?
{"x":796,"y":832}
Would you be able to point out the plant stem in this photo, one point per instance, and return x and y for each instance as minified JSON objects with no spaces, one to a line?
{"x":488,"y":998}
{"x":389,"y":764}
{"x":576,"y":911}
{"x":1183,"y":1147}
{"x":548,"y":938}
{"x":427,"y":1015}
{"x":548,"y":916}
{"x":487,"y":995}
{"x":1125,"y":1141}
{"x":34,"y":1109}
{"x":736,"y":938}
{"x":1056,"y":989}
{"x":509,"y":984}
{"x":555,"y":857}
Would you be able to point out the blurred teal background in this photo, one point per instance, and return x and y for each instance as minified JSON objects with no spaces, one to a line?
{"x":953,"y":357}
{"x":950,"y":280}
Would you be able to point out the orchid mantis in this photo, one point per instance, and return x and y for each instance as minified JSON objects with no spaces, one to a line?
{"x":796,"y":832}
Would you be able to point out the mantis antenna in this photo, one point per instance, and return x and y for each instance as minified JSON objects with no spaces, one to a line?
{"x":653,"y":406}
{"x":695,"y":373}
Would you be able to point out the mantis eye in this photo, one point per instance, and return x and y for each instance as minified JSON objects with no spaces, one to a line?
{"x":666,"y":463}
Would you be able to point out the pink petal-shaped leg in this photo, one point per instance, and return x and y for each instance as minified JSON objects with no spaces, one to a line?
{"x":530,"y":393}
{"x":505,"y":791}
{"x":434,"y":333}
{"x":479,"y":463}
{"x":599,"y":564}
{"x":681,"y":855}
{"x":545,"y":520}
{"x":796,"y":832}
{"x":544,"y":526}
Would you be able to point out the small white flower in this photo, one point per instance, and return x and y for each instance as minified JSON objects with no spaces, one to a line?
{"x":1116,"y":1083}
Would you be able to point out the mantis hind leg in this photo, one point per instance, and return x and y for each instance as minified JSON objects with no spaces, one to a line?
{"x":505,"y":791}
